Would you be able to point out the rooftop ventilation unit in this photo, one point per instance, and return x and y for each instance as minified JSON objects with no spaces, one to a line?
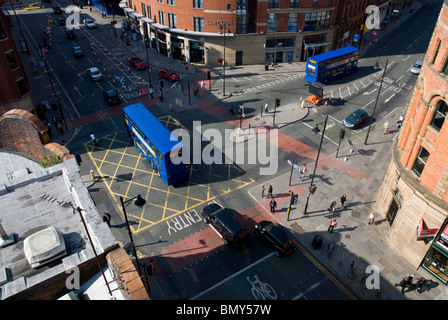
{"x":44,"y":246}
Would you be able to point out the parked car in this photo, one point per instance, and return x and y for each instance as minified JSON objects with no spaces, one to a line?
{"x":89,"y":23}
{"x":57,"y":9}
{"x":355,"y":119}
{"x":95,"y":74}
{"x":169,"y":74}
{"x":137,"y":63}
{"x":111,"y":97}
{"x":276,"y":236}
{"x":416,"y":67}
{"x":78,"y":51}
{"x":70,"y":33}
{"x":227,"y":227}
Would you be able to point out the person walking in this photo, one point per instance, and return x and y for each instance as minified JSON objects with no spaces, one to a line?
{"x":106,"y":218}
{"x":273,"y":205}
{"x":420,"y":282}
{"x":332,"y":225}
{"x":406,"y":281}
{"x":270,"y":191}
{"x":371,"y":218}
{"x":231,"y":110}
{"x":266,"y":108}
{"x":343,"y":200}
{"x":303,"y":171}
{"x":332,"y":207}
{"x":93,"y":139}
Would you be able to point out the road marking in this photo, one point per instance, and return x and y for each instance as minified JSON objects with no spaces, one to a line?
{"x":231,"y":276}
{"x":309,"y":289}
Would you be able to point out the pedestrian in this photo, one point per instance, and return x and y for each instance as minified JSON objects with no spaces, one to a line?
{"x":332,"y":225}
{"x":332,"y":207}
{"x":49,"y":130}
{"x":303,"y":171}
{"x":406,"y":281}
{"x":63,"y":143}
{"x":160,"y":95}
{"x":202,"y":86}
{"x":270,"y":191}
{"x":386,"y":127}
{"x":420,"y":282}
{"x":273,"y":205}
{"x":106,"y":218}
{"x":400,"y":121}
{"x":151,"y":92}
{"x":78,"y":159}
{"x":93,"y":139}
{"x":60,"y":127}
{"x":371,"y":218}
{"x":266,"y":107}
{"x":151,"y":268}
{"x":231,"y":110}
{"x":343,"y":200}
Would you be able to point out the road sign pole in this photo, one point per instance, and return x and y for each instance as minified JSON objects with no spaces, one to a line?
{"x":290,"y":175}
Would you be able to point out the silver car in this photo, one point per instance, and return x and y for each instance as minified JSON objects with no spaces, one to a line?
{"x":95,"y":74}
{"x":416,"y":67}
{"x":89,"y":23}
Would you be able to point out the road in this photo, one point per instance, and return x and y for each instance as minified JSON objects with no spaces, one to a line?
{"x":193,"y":262}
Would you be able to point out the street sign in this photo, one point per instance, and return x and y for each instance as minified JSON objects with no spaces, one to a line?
{"x":293,"y":165}
{"x":122,"y":79}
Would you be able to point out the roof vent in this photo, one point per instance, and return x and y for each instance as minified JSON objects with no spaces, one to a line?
{"x":5,"y":239}
{"x":44,"y":246}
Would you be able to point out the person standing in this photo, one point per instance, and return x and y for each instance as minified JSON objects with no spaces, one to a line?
{"x":371,"y":218}
{"x":93,"y":139}
{"x":106,"y":218}
{"x":270,"y":191}
{"x":332,"y":225}
{"x":273,"y":205}
{"x":420,"y":282}
{"x":343,"y":200}
{"x":266,"y":108}
{"x":303,"y":171}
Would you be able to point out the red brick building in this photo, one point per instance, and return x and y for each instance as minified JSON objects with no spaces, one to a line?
{"x":414,"y":194}
{"x":15,"y":92}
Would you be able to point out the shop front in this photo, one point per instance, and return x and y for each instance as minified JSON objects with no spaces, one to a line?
{"x":436,"y":259}
{"x":197,"y":48}
{"x":313,"y":45}
{"x":279,"y":49}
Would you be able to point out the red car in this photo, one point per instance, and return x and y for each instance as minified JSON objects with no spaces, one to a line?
{"x":137,"y":63}
{"x":169,"y":74}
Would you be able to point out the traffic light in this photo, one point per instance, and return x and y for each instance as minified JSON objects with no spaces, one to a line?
{"x":277,"y":102}
{"x":208,"y":75}
{"x":295,"y":198}
{"x":341,"y":134}
{"x":312,"y":189}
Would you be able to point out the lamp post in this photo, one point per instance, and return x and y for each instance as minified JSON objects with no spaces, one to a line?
{"x":315,"y":130}
{"x":221,"y":28}
{"x":139,"y":201}
{"x":377,"y":97}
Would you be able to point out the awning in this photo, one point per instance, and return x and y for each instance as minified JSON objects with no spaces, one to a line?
{"x":424,"y":233}
{"x":314,"y":45}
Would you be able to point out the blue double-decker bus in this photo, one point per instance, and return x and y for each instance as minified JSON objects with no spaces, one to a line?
{"x":331,"y":65}
{"x":152,"y":139}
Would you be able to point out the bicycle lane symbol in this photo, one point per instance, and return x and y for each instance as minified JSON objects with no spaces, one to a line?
{"x":262,"y":290}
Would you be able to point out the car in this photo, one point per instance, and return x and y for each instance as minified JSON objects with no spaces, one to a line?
{"x":111,"y":97}
{"x":95,"y":74}
{"x":61,"y":21}
{"x":276,"y":236}
{"x":137,"y":63}
{"x":57,"y":9}
{"x":89,"y":23}
{"x":70,"y":33}
{"x":169,"y":74}
{"x":416,"y":67}
{"x":355,"y":119}
{"x":78,"y":51}
{"x":226,"y":226}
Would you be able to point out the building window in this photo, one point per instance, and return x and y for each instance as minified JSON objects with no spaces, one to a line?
{"x":2,"y":33}
{"x":420,"y":162}
{"x":294,"y":3}
{"x":148,"y":7}
{"x":162,"y":17}
{"x":445,"y":68}
{"x":273,"y":3}
{"x":439,"y":115}
{"x":317,"y":20}
{"x":315,"y":3}
{"x":241,"y":16}
{"x":292,"y":22}
{"x":272,"y":22}
{"x":198,"y":24}
{"x":12,"y":61}
{"x":171,"y":2}
{"x":172,"y":21}
{"x":160,"y":1}
{"x":198,"y":4}
{"x":143,"y":9}
{"x":437,"y":51}
{"x":22,"y":88}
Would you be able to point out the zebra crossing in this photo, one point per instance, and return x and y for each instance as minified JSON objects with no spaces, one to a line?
{"x":272,"y":80}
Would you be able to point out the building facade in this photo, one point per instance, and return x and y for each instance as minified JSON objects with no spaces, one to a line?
{"x":414,"y":195}
{"x":15,"y":90}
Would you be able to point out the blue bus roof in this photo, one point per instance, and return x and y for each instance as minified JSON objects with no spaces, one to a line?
{"x":151,"y":127}
{"x":333,"y":54}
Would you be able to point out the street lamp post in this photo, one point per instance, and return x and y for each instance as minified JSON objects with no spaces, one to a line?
{"x":221,"y":30}
{"x":139,"y":201}
{"x":315,"y":130}
{"x":377,"y":97}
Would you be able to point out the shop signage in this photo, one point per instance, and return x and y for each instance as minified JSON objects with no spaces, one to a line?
{"x":218,"y":23}
{"x":423,"y":233}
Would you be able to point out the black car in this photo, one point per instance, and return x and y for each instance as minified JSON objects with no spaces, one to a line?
{"x":57,"y":10}
{"x":355,"y":119}
{"x":111,"y":97}
{"x":276,"y":236}
{"x":223,"y":222}
{"x":70,"y":33}
{"x":78,"y":51}
{"x":61,"y":21}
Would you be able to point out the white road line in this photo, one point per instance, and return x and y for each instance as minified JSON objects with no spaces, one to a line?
{"x":231,"y":276}
{"x":309,"y":289}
